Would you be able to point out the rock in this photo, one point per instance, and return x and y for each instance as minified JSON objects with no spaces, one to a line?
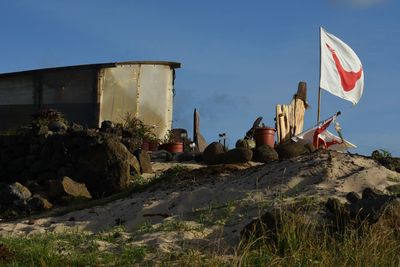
{"x":237,"y":155}
{"x":29,"y":160}
{"x":291,"y":150}
{"x":390,"y":218}
{"x":144,"y":161}
{"x":57,"y":126}
{"x":198,"y":157}
{"x":34,"y":148}
{"x":38,"y":203}
{"x":68,"y":187}
{"x":75,"y":128}
{"x":14,"y":192}
{"x":386,"y":159}
{"x":161,"y":155}
{"x":66,"y":170}
{"x":185,"y":156}
{"x":106,"y":126}
{"x":198,"y":138}
{"x":213,"y":153}
{"x":265,"y":154}
{"x":16,"y":166}
{"x":352,"y":197}
{"x":38,"y":167}
{"x":395,"y":189}
{"x":369,"y":209}
{"x":106,"y":168}
{"x":189,"y":156}
{"x":245,"y":143}
{"x":40,"y":129}
{"x":310,"y":147}
{"x":268,"y":226}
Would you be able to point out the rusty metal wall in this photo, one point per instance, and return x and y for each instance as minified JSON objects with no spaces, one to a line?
{"x":67,"y":86}
{"x":17,"y":101}
{"x":119,"y":92}
{"x":142,"y":90}
{"x":71,"y":92}
{"x":156,"y":97}
{"x":17,"y":90}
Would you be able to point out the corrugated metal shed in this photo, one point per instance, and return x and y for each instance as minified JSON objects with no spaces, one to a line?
{"x":89,"y":94}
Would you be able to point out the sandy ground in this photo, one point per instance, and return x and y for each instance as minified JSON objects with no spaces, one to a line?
{"x":208,"y":206}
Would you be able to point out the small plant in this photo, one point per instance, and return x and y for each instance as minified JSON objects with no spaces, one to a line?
{"x":381,"y":154}
{"x":48,"y":114}
{"x":134,"y":129}
{"x":168,"y":138}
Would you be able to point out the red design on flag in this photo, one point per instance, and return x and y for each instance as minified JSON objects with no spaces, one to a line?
{"x":320,"y":129}
{"x":347,"y":78}
{"x":319,"y":136}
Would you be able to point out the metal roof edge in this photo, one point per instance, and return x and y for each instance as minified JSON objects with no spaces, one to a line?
{"x":174,"y":65}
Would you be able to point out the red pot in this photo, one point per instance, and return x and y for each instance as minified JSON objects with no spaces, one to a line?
{"x":153,"y":146}
{"x":175,"y":147}
{"x":265,"y":136}
{"x":149,"y":146}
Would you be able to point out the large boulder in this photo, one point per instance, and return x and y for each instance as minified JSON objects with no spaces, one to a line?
{"x":65,"y":186}
{"x":38,"y":203}
{"x":386,"y":159}
{"x":57,"y":126}
{"x":291,"y":150}
{"x":374,"y":207}
{"x":161,"y":155}
{"x":245,"y":143}
{"x":265,"y":154}
{"x":237,"y":155}
{"x":213,"y":153}
{"x":107,"y":168}
{"x":15,"y":192}
{"x":144,"y":161}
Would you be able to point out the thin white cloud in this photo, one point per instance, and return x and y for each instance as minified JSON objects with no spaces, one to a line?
{"x":359,"y":3}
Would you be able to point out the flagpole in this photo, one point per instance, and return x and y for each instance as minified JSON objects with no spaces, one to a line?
{"x":319,"y":88}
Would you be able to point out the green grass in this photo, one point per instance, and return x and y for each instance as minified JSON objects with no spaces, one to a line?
{"x":298,"y":243}
{"x":68,"y":249}
{"x":295,"y":245}
{"x":394,"y":179}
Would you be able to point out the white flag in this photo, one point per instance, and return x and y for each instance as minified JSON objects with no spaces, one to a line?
{"x":341,"y":70}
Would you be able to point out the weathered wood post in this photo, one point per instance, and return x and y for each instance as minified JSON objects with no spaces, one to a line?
{"x":290,"y":118}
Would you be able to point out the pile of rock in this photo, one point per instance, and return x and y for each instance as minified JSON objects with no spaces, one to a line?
{"x":373,"y":209}
{"x":54,"y":159}
{"x":245,"y":151}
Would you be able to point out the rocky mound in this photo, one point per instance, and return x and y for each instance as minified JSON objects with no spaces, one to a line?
{"x":214,"y":204}
{"x":37,"y":156}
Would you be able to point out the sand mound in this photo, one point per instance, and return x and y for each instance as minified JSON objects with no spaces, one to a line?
{"x":203,"y":205}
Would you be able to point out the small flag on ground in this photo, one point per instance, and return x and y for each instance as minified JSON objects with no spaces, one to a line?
{"x":319,"y":136}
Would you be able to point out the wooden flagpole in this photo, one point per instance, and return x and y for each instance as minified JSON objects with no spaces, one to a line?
{"x":319,"y":88}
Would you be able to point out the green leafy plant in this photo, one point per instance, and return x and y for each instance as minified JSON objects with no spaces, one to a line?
{"x":381,"y":154}
{"x":168,"y":138}
{"x":133,"y":127}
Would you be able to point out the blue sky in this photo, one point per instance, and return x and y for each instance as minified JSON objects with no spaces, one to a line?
{"x":239,"y":58}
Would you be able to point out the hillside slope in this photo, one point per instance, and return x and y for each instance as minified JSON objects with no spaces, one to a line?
{"x":208,"y":206}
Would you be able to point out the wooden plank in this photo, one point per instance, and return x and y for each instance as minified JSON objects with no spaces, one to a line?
{"x":290,"y":118}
